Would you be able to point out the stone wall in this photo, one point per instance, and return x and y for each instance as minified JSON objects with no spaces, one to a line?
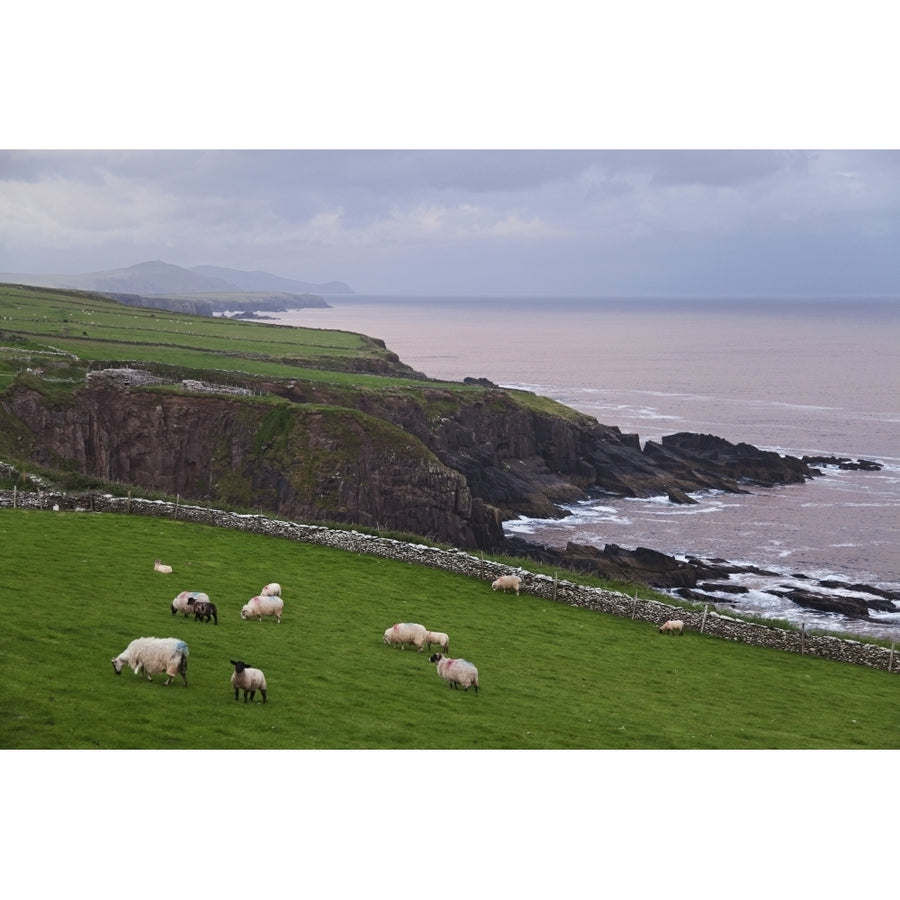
{"x":461,"y":562}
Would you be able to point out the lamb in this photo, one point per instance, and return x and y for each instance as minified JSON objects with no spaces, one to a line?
{"x":151,"y":654}
{"x":203,"y":610}
{"x":159,"y":566}
{"x":260,"y":606}
{"x":271,"y":590}
{"x":247,"y":679}
{"x":438,"y":638}
{"x":673,"y":626}
{"x":507,"y":581}
{"x":404,"y":633}
{"x":456,"y":671}
{"x":182,"y":603}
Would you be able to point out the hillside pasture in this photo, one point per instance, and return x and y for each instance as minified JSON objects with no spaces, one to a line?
{"x":78,"y":586}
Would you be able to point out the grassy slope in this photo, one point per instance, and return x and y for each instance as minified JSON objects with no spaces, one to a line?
{"x":552,"y":676}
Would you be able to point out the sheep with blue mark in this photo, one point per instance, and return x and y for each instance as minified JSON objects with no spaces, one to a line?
{"x":151,"y":655}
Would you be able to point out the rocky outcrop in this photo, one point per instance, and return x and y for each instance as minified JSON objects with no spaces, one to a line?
{"x":527,"y":459}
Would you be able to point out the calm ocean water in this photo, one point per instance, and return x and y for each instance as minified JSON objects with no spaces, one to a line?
{"x":799,"y":377}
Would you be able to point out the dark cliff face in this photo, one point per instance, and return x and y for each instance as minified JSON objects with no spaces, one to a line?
{"x":316,"y":464}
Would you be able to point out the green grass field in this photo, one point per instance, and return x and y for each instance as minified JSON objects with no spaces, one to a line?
{"x":77,"y":587}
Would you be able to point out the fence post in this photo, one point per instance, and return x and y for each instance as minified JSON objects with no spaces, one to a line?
{"x":177,"y":501}
{"x":14,"y":496}
{"x":633,"y":605}
{"x":555,"y":583}
{"x":703,"y":621}
{"x":128,"y":503}
{"x":891,"y":658}
{"x":802,"y":638}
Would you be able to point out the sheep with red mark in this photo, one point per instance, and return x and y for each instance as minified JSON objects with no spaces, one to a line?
{"x":456,"y":671}
{"x":273,"y":589}
{"x":403,"y":633}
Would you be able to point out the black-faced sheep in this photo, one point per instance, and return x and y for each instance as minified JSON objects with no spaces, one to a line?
{"x":151,"y":654}
{"x":456,"y":671}
{"x":203,"y":610}
{"x":182,"y":603}
{"x":439,"y":639}
{"x":673,"y":626}
{"x":260,"y":606}
{"x":504,"y":582}
{"x":404,"y":633}
{"x":159,"y":566}
{"x":247,"y":679}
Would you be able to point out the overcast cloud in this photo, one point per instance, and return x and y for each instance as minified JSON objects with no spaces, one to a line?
{"x":518,"y":222}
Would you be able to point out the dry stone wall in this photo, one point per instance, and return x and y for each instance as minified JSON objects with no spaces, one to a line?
{"x":461,"y":562}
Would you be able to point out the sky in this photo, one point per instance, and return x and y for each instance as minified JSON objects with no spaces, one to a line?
{"x":473,"y":222}
{"x":654,"y":150}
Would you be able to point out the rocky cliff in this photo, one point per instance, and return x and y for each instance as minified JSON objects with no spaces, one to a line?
{"x":313,"y":463}
{"x":422,"y":458}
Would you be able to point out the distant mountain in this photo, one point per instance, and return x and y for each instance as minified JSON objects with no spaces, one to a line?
{"x":157,"y":277}
{"x":264,"y":281}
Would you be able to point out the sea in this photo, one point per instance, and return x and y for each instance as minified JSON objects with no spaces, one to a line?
{"x":798,"y":376}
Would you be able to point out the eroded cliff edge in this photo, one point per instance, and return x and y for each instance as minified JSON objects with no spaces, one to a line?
{"x":447,"y":463}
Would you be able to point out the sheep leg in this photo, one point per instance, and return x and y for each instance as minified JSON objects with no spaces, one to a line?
{"x":263,"y":694}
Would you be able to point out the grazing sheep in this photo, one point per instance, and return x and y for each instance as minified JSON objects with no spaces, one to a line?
{"x":151,"y":654}
{"x":247,"y":679}
{"x":456,"y":671}
{"x":182,"y":603}
{"x":159,"y":566}
{"x":260,"y":606}
{"x":203,"y":610}
{"x":438,"y":638}
{"x":673,"y":626}
{"x":271,"y":590}
{"x":507,"y":581}
{"x":404,"y":633}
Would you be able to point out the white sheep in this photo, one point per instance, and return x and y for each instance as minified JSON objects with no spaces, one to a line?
{"x":182,"y":602}
{"x":260,"y":606}
{"x":160,"y":566}
{"x":271,"y":590}
{"x":507,"y":581}
{"x":404,"y":633}
{"x":456,"y":671}
{"x":673,"y":626}
{"x":439,"y":639}
{"x":247,"y":679}
{"x":152,"y":654}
